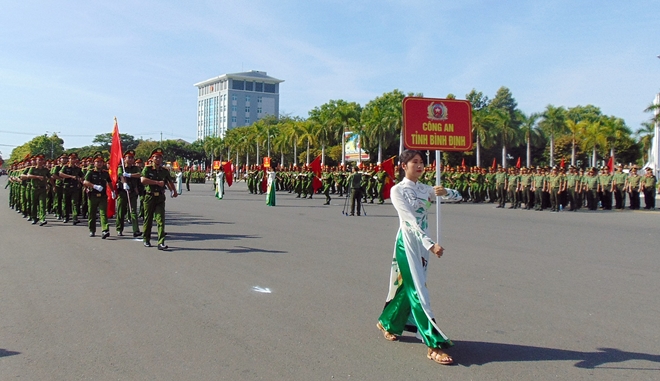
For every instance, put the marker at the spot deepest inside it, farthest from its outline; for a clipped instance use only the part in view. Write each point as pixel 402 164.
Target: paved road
pixel 523 294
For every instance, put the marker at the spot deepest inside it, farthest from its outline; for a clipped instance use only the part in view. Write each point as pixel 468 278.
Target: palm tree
pixel 655 109
pixel 593 138
pixel 553 123
pixel 528 127
pixel 324 129
pixel 614 130
pixel 483 121
pixel 504 129
pixel 292 131
pixel 645 138
pixel 308 133
pixel 577 130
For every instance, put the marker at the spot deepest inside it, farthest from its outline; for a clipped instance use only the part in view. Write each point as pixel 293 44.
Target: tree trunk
pixel 258 153
pixel 400 144
pixel 573 153
pixel 504 156
pixel 529 150
pixel 593 157
pixel 552 150
pixel 478 151
pixel 323 155
pixel 295 153
pixel 281 158
pixel 343 147
pixel 380 152
pixel 307 152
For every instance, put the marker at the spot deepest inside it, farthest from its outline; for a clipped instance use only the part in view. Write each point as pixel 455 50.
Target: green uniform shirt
pixel 634 181
pixel 39 184
pixel 156 174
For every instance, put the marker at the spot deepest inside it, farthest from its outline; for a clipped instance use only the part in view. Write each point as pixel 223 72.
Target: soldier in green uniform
pixel 513 180
pixel 605 187
pixel 382 177
pixel 555 183
pixel 26 189
pixel 38 176
pixel 155 178
pixel 525 188
pixel 590 187
pixel 328 180
pixel 501 182
pixel 59 186
pixel 97 180
pixel 72 176
pixel 633 184
pixel 188 176
pixel 649 183
pixel 618 186
pixel 127 194
pixel 538 186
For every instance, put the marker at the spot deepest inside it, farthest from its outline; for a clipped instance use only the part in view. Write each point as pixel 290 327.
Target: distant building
pixel 234 100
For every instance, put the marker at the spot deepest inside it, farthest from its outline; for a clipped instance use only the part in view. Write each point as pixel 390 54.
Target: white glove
pixel 172 193
pixel 126 174
pixel 126 187
pixel 98 188
pixel 114 195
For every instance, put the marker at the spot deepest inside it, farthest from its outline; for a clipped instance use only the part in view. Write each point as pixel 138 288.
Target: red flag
pixel 315 167
pixel 610 164
pixel 463 163
pixel 115 161
pixel 388 167
pixel 229 174
pixel 518 163
pixel 562 163
pixel 494 163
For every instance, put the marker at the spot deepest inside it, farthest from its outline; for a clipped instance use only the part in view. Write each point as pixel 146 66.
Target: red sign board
pixel 437 124
pixel 266 162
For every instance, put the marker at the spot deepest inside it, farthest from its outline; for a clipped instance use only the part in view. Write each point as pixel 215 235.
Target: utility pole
pixel 161 138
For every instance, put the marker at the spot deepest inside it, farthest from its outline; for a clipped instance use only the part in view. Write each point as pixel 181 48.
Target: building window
pixel 259 87
pixel 269 87
pixel 247 98
pixel 247 108
pixel 249 86
pixel 237 85
pixel 259 99
pixel 233 119
pixel 258 110
pixel 247 120
pixel 233 108
pixel 234 97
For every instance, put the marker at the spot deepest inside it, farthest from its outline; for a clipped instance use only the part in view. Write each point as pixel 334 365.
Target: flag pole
pixel 438 173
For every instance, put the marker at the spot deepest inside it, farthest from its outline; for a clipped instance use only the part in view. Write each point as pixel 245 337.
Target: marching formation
pixel 71 189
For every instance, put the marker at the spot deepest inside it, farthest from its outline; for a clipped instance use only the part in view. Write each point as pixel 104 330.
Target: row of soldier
pixel 537 188
pixel 72 188
pixel 332 180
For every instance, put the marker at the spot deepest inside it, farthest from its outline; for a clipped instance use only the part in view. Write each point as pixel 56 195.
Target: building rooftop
pixel 247 75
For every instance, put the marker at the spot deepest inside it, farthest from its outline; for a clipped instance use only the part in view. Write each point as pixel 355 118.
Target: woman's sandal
pixel 439 356
pixel 387 335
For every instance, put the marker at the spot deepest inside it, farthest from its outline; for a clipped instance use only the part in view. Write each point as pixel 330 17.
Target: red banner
pixel 437 124
pixel 115 161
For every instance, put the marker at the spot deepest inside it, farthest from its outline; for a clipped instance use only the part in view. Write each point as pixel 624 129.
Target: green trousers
pixel 154 208
pixel 123 209
pixel 97 201
pixel 38 205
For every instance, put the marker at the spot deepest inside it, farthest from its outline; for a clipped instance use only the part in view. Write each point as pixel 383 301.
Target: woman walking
pixel 408 299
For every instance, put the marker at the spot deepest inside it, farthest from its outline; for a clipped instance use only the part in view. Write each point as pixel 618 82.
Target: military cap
pixel 98 156
pixel 157 152
pixel 39 156
pixel 635 167
pixel 130 152
pixel 73 155
pixel 138 161
pixel 649 169
pixel 64 155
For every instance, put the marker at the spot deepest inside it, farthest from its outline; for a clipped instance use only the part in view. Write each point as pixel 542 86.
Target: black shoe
pixel 138 234
pixel 120 234
pixel 76 222
pixel 326 203
pixel 92 234
pixel 358 214
pixel 162 246
pixel 371 202
pixel 30 219
pixel 34 222
pixel 147 244
pixel 352 214
pixel 59 218
pixel 105 234
pixel 43 223
pixel 298 196
pixel 66 221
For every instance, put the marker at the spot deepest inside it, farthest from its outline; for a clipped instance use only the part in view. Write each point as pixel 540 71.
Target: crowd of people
pixel 73 188
pixel 539 188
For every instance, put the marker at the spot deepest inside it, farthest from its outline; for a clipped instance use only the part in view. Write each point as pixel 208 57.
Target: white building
pixel 234 100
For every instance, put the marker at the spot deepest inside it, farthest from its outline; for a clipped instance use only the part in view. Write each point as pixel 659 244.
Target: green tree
pixel 645 138
pixel 576 130
pixel 528 124
pixel 553 122
pixel 104 141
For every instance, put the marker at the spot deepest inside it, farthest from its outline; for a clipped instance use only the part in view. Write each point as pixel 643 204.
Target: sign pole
pixel 438 173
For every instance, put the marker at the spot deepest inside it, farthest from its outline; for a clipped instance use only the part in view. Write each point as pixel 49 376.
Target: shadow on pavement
pixel 479 353
pixel 179 236
pixel 6 353
pixel 233 250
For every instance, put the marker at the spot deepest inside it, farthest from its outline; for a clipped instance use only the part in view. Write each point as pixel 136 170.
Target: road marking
pixel 263 290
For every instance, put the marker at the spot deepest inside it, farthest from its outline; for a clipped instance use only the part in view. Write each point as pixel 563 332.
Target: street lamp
pixel 52 147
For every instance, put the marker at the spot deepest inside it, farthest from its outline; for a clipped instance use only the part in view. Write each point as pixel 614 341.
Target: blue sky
pixel 71 66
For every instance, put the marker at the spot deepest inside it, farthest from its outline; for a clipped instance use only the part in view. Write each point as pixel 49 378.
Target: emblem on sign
pixel 437 111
